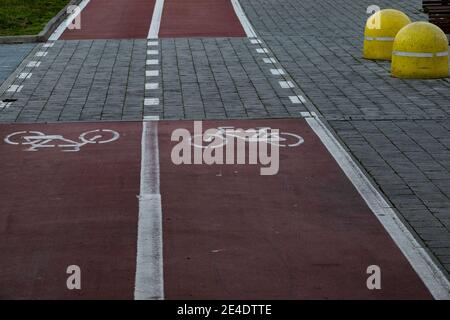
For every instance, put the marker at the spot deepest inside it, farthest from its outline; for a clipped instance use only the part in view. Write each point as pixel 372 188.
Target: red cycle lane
pixel 117 19
pixel 199 18
pixel 228 232
pixel 305 233
pixel 69 208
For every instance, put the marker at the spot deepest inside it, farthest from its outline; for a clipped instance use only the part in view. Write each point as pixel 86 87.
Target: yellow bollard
pixel 420 52
pixel 381 29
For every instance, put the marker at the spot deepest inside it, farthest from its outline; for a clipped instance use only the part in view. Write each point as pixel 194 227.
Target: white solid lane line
pixel 149 283
pixel 153 32
pixel 63 26
pixel 249 31
pixel 417 256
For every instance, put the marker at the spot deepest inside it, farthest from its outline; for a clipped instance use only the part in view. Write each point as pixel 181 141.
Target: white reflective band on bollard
pixel 420 54
pixel 379 38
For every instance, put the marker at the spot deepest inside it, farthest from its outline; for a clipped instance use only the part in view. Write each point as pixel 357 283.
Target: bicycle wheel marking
pixel 37 140
pixel 228 229
pixel 76 208
pixel 251 135
pixel 10 138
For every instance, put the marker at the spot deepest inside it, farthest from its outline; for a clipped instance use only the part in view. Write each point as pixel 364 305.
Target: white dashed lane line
pixel 4 105
pixel 151 86
pixel 41 53
pixel 15 88
pixel 277 72
pixel 151 101
pixel 24 75
pixel 269 60
pixel 152 73
pixel 33 64
pixel 286 84
pixel 297 99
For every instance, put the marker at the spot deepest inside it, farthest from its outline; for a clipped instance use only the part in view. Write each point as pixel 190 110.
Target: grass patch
pixel 27 17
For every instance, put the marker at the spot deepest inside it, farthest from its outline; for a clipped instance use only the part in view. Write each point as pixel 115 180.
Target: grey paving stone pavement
pixel 11 55
pixel 211 78
pixel 221 78
pixel 334 18
pixel 398 130
pixel 80 80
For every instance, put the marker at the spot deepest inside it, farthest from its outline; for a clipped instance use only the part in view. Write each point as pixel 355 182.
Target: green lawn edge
pixel 27 17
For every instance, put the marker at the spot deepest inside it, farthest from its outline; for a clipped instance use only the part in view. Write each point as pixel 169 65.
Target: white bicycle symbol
pixel 36 139
pixel 264 134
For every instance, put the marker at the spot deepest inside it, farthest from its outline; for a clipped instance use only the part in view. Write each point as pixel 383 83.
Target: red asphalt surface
pixel 69 208
pixel 130 19
pixel 116 19
pixel 305 233
pixel 228 232
pixel 199 18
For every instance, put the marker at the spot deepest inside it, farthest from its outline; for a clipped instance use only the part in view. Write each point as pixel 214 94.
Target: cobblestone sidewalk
pixel 399 130
pixel 11 56
pixel 211 78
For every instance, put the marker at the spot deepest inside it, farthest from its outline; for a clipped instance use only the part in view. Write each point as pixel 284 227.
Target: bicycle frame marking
pixel 43 142
pixel 259 134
